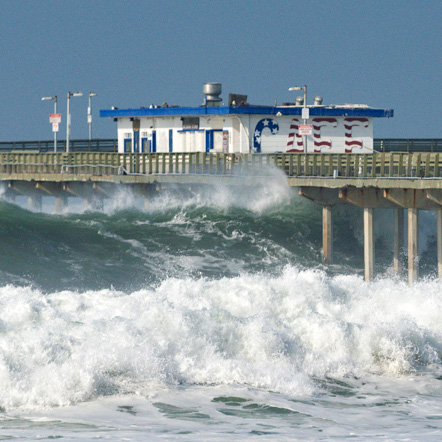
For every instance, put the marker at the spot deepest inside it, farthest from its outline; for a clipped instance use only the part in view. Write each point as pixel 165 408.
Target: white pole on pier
pixel 89 113
pixel 55 111
pixel 68 117
pixel 305 111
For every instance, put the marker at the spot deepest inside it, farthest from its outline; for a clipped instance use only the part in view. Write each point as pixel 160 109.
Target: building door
pixel 128 145
pixel 145 145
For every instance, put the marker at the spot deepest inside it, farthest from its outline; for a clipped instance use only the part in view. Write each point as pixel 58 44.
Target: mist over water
pixel 211 311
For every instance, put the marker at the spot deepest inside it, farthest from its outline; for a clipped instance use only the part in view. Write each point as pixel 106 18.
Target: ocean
pixel 208 315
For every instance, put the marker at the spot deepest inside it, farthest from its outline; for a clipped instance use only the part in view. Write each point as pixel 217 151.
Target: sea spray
pixel 281 333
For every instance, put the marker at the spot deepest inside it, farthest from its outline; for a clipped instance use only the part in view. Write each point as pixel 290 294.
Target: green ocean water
pixel 208 314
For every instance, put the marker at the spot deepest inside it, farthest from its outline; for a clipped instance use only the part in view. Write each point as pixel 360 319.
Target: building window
pixel 128 135
pixel 191 123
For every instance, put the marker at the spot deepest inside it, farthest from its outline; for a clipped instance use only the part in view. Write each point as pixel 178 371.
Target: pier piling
pixel 413 259
pixel 439 242
pixel 327 234
pixel 61 203
pixel 35 201
pixel 368 243
pixel 398 246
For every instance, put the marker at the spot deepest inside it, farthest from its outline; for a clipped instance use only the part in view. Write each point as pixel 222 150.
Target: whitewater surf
pixel 210 316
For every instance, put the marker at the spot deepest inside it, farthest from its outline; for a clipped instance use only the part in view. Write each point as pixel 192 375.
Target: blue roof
pixel 251 110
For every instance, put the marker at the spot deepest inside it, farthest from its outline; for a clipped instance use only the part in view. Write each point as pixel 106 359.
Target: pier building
pixel 240 127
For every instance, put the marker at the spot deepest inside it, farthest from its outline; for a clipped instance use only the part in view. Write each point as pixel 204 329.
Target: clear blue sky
pixel 387 54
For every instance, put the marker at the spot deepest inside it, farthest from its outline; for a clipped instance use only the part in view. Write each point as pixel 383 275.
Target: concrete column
pixel 398 239
pixel 60 203
pixel 11 197
pixel 368 243
pixel 413 259
pixel 85 204
pixel 327 235
pixel 35 201
pixel 439 242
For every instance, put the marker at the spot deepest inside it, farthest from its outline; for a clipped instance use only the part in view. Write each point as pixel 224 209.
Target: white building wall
pixel 253 133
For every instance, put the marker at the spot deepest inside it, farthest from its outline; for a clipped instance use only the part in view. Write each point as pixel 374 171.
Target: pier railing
pixel 377 165
pixel 47 146
pixel 383 145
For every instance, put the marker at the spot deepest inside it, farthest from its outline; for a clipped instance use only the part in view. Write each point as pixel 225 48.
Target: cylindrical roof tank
pixel 212 91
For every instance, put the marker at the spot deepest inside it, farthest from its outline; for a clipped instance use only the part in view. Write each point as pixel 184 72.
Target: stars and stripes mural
pixel 320 143
pixel 266 123
pixel 329 134
pixel 349 124
pixel 294 140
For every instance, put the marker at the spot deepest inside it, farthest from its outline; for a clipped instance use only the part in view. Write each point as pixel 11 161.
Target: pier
pixel 401 181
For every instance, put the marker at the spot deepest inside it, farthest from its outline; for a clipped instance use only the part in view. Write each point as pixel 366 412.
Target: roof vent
pixel 299 101
pixel 317 101
pixel 212 91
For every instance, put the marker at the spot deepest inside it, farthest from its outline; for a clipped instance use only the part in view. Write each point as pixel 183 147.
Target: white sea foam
pixel 276 333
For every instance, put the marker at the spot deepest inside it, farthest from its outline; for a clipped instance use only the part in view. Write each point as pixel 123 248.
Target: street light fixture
pixel 89 114
pixel 68 117
pixel 305 112
pixel 55 111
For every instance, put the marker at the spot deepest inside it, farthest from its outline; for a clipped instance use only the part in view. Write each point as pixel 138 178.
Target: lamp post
pixel 68 117
pixel 305 112
pixel 55 111
pixel 89 114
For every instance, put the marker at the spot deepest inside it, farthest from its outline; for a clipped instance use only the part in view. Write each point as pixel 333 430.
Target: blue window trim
pixel 144 142
pixel 125 142
pixel 170 140
pixel 136 145
pixel 210 138
pixel 154 141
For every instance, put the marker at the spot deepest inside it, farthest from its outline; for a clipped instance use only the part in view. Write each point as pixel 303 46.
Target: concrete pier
pixel 368 243
pixel 400 181
pixel 413 259
pixel 35 201
pixel 61 202
pixel 439 242
pixel 327 235
pixel 398 245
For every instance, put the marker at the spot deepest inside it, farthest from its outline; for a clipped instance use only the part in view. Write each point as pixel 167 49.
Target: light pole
pixel 305 111
pixel 68 117
pixel 55 111
pixel 89 114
